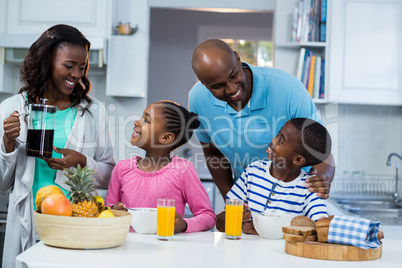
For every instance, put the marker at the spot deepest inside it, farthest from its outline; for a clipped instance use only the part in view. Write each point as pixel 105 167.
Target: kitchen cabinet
pixel 365 60
pixel 35 16
pixel 127 57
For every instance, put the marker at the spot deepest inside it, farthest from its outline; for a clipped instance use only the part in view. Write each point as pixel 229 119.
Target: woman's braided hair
pixel 179 121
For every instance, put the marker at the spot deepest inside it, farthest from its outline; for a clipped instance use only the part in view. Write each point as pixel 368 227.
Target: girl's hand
pixel 71 159
pixel 12 127
pixel 119 206
pixel 180 225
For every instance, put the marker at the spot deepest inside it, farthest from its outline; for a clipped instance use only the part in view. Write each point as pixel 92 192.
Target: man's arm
pixel 219 167
pixel 321 183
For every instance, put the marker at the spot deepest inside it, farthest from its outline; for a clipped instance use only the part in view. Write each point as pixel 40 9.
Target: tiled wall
pixel 364 136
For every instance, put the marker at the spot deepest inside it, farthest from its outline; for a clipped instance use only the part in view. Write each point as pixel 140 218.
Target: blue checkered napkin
pixel 354 231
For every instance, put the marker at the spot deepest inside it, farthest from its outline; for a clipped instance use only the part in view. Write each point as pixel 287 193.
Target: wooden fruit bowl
pixel 83 233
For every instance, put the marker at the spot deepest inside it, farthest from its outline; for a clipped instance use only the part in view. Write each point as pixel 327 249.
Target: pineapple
pixel 81 184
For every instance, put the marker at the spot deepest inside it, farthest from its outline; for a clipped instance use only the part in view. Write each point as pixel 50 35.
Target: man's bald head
pixel 208 49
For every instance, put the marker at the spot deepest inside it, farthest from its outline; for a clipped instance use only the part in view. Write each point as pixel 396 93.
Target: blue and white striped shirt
pixel 264 193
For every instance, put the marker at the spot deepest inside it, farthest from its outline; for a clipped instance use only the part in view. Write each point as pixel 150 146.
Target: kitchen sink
pixel 375 212
pixel 383 210
pixel 370 204
pixel 372 208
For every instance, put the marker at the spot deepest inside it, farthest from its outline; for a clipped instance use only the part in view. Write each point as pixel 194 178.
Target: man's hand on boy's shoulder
pixel 319 184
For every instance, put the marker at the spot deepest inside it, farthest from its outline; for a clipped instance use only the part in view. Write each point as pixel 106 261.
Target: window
pixel 254 44
pixel 255 52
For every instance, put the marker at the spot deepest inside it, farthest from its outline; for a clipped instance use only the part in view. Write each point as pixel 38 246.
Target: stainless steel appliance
pixel 3 219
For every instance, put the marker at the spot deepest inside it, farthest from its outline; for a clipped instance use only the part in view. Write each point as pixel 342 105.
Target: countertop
pixel 202 249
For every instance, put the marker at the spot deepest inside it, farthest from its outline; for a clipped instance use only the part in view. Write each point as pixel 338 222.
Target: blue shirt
pixel 244 136
pixel 264 193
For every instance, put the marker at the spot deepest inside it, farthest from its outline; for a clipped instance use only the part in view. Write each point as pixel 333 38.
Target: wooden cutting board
pixel 335 252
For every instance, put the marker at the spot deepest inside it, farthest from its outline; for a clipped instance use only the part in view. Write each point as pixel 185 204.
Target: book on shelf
pixel 322 79
pixel 310 83
pixel 306 20
pixel 299 21
pixel 310 71
pixel 293 38
pixel 309 21
pixel 323 20
pixel 302 57
pixel 306 68
pixel 317 77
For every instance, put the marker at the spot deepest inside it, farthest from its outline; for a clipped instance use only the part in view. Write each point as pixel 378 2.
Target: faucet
pixel 395 195
pixel 391 155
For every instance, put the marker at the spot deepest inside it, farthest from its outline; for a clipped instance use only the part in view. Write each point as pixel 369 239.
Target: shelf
pixel 322 101
pixel 301 44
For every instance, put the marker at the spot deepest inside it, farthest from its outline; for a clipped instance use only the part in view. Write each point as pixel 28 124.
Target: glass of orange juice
pixel 166 209
pixel 233 218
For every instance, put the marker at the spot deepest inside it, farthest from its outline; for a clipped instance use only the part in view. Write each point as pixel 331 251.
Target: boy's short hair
pixel 315 141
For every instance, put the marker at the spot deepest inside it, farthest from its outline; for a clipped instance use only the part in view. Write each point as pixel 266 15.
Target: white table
pixel 203 249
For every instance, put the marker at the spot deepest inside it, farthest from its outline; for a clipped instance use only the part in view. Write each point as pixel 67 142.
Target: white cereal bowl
pixel 270 226
pixel 143 220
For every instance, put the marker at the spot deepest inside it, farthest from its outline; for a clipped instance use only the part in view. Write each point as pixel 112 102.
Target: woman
pixel 55 69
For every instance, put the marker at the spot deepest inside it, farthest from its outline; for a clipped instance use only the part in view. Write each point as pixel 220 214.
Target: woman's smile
pixel 70 83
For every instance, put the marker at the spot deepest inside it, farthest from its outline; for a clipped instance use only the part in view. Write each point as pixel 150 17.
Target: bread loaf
pixel 322 228
pixel 302 229
pixel 302 221
pixel 299 238
pixel 311 238
pixel 299 230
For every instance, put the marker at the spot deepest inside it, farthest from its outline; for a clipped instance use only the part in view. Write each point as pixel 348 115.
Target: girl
pixel 139 182
pixel 55 69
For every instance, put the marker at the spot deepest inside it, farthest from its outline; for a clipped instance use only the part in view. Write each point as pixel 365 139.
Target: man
pixel 241 109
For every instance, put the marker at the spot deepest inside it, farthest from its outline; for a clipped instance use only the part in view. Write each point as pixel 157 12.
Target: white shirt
pixel 264 193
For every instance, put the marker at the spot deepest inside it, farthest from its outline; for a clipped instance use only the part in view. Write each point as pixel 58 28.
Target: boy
pixel 278 186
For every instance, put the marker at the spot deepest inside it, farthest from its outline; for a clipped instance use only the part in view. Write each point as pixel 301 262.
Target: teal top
pixel 45 176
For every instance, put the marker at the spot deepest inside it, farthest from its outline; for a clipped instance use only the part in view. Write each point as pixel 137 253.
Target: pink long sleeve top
pixel 178 180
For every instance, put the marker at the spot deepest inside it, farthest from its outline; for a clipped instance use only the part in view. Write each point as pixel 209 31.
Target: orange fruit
pixel 45 192
pixel 57 204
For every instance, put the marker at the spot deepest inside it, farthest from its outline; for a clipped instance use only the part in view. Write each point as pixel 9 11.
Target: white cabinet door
pixel 35 16
pixel 366 52
pixel 127 55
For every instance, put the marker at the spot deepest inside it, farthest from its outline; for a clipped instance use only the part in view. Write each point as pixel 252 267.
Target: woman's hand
pixel 71 159
pixel 180 225
pixel 319 184
pixel 12 129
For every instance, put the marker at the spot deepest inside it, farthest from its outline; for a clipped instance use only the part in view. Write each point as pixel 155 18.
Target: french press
pixel 41 123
